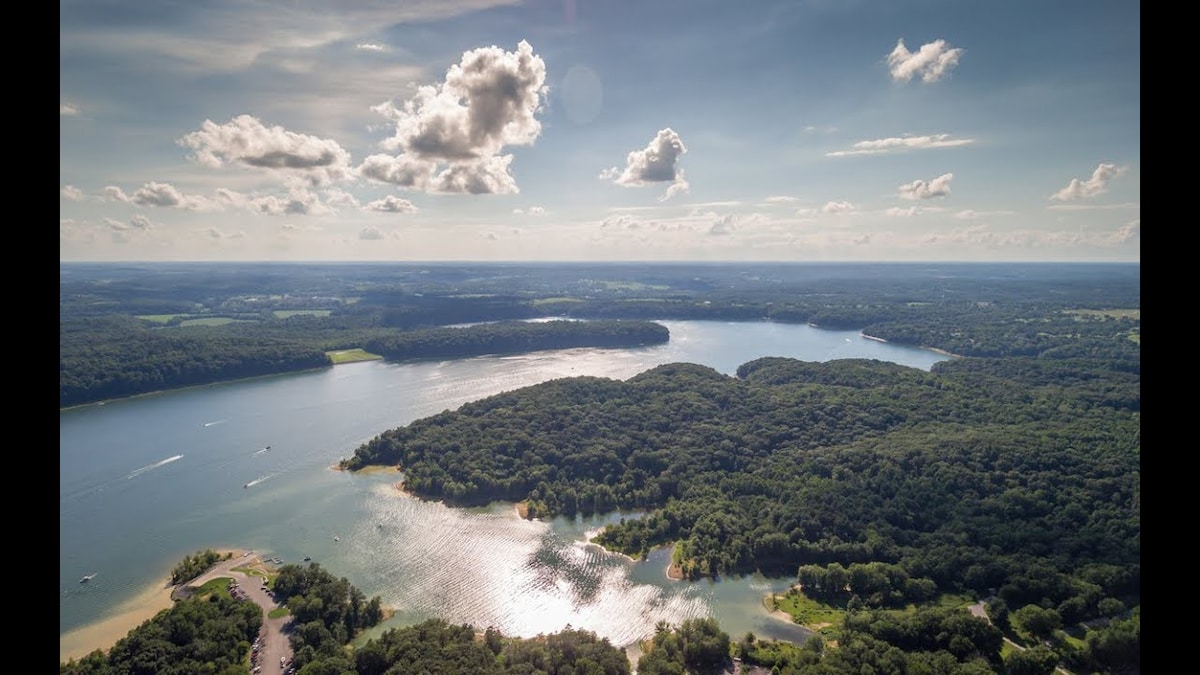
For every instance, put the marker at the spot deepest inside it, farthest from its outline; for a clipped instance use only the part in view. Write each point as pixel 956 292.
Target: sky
pixel 599 130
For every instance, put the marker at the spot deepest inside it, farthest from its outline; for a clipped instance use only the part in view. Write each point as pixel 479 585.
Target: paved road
pixel 274 643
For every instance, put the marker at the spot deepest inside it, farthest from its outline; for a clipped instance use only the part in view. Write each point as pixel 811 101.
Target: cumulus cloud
pixel 392 204
pixel 897 212
pixel 370 47
pixel 370 233
pixel 1096 185
pixel 899 144
pixel 486 102
pixel 67 110
pixel 657 163
pixel 836 207
pixel 930 189
pixel 247 142
pixel 782 199
pixel 70 192
pixel 161 195
pixel 931 62
pixel 532 211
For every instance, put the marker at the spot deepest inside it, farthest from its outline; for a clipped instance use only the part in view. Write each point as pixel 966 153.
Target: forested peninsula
pixel 1008 478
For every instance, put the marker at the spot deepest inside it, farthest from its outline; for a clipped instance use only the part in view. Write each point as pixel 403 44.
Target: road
pixel 274 643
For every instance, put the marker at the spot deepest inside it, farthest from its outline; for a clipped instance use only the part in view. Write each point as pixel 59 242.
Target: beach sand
pixel 104 634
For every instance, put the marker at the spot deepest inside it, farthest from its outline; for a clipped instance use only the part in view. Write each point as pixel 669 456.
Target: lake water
pixel 147 480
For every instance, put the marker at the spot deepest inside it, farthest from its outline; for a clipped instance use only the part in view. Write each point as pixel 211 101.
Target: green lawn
pixel 351 355
pixel 159 318
pixel 212 321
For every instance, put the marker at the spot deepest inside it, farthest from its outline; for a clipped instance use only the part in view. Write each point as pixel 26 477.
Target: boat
pixel 87 577
pixel 336 538
pixel 245 486
pixel 307 558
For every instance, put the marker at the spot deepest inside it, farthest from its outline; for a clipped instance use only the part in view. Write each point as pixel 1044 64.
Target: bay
pixel 145 481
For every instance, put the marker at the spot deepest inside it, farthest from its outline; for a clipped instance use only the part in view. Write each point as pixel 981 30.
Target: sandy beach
pixel 104 634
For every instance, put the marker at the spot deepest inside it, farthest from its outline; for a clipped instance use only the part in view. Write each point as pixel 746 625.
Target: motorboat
pixel 87 577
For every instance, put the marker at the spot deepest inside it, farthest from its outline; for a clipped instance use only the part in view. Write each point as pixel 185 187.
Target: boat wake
pixel 260 479
pixel 209 424
pixel 144 469
pixel 259 452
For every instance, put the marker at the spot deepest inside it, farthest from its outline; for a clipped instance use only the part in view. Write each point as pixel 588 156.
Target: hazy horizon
pixel 573 131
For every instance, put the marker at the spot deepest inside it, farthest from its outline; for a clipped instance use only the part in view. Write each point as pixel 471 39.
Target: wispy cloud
pixel 836 207
pixel 70 192
pixel 67 110
pixel 931 62
pixel 1096 185
pixel 901 144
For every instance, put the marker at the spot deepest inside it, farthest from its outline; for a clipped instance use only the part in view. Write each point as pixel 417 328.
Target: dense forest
pixel 1010 475
pixel 132 329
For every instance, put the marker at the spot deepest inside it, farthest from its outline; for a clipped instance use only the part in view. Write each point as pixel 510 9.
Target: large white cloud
pixel 657 163
pixel 931 62
pixel 927 189
pixel 899 144
pixel 1096 185
pixel 247 142
pixel 449 136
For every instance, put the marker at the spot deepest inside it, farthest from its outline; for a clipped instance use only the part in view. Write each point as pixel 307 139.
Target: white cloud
pixel 70 192
pixel 67 110
pixel 838 207
pixel 246 141
pixel 370 233
pixel 931 189
pixel 392 204
pixel 1129 231
pixel 782 199
pixel 486 102
pixel 900 144
pixel 1096 185
pixel 931 62
pixel 969 214
pixel 370 47
pixel 532 211
pixel 657 163
pixel 897 212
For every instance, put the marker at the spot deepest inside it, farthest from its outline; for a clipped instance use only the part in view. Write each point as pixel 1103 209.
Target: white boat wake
pixel 260 479
pixel 209 424
pixel 144 469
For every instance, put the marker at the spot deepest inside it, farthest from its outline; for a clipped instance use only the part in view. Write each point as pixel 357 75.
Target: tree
pixel 1037 621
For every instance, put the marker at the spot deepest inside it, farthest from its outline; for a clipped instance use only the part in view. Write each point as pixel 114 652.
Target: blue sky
pixel 807 130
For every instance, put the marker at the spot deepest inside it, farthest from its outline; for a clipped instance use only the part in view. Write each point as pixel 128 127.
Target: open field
pixel 351 356
pixel 285 313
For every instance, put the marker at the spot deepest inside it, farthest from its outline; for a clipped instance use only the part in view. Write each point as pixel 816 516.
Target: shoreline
pixel 104 633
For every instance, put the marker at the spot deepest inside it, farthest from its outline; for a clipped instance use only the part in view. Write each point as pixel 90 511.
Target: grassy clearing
pixel 351 355
pixel 554 301
pixel 277 613
pixel 806 611
pixel 212 321
pixel 285 313
pixel 159 318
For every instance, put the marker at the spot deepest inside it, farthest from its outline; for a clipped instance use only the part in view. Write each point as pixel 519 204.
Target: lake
pixel 145 481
